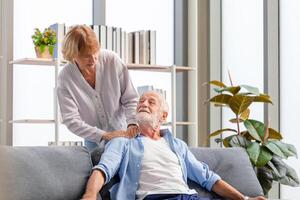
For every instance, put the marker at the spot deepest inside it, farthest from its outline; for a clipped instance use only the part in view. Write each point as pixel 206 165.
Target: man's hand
pixel 129 133
pixel 88 197
pixel 258 198
pixel 225 190
pixel 94 185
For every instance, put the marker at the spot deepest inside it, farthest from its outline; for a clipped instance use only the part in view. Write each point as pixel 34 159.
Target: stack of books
pixel 137 47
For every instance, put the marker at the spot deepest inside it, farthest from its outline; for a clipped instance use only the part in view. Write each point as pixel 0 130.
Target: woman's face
pixel 87 60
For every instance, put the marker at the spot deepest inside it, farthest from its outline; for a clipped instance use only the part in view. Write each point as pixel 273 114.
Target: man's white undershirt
pixel 160 170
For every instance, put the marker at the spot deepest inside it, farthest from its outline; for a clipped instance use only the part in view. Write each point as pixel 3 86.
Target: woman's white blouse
pixel 89 112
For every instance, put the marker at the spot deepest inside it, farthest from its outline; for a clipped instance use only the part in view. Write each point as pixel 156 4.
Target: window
pixel 242 48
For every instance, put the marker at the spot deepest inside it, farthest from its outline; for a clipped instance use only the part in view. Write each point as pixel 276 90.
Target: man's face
pixel 148 109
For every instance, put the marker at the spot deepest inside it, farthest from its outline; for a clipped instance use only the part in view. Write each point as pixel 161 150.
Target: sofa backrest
pixel 29 173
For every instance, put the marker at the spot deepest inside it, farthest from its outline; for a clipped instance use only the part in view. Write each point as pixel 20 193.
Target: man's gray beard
pixel 144 118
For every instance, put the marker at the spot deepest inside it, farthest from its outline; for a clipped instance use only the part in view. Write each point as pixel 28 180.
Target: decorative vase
pixel 43 52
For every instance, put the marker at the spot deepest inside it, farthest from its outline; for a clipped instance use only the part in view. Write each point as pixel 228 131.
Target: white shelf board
pixel 179 123
pixel 33 121
pixel 36 61
pixel 157 68
pixel 185 123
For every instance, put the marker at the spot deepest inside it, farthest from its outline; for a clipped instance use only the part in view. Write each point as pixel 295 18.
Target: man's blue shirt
pixel 124 156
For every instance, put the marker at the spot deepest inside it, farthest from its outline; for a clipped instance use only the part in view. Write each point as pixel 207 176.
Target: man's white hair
pixel 164 107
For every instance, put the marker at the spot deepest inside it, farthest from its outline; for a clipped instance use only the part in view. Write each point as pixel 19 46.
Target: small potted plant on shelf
pixel 44 42
pixel 263 144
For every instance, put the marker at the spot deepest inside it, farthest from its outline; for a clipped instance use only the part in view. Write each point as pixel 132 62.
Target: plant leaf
pixel 233 90
pixel 217 83
pixel 245 114
pixel 218 140
pixel 221 99
pixel 292 148
pixel 287 175
pixel 275 172
pixel 253 151
pixel 291 177
pixel 226 141
pixel 273 134
pixel 255 128
pixel 265 178
pixel 239 103
pixel 264 157
pixel 220 131
pixel 262 98
pixel 247 135
pixel 235 121
pixel 251 89
pixel 287 149
pixel 274 149
pixel 238 141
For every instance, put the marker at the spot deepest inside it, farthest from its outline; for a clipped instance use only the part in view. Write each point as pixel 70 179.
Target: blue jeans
pixel 90 145
pixel 175 197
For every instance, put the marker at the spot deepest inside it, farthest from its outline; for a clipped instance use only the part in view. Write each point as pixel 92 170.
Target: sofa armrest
pixel 233 165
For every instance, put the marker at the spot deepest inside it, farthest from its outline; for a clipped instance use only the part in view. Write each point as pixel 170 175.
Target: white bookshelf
pixel 140 67
pixel 32 121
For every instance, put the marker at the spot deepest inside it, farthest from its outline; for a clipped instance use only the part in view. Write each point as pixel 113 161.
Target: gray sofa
pixel 56 173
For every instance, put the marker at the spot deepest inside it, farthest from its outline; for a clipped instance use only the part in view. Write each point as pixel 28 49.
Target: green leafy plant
pixel 44 39
pixel 263 144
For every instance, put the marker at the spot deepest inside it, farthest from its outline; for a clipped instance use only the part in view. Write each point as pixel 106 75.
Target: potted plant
pixel 44 42
pixel 263 144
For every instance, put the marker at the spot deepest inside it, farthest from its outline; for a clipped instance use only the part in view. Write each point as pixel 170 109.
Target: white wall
pixel 290 83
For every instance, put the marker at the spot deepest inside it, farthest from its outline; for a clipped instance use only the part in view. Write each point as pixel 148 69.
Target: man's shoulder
pixel 179 142
pixel 118 141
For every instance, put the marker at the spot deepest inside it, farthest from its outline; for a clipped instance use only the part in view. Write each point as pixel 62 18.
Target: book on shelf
pixel 96 31
pixel 109 38
pixel 152 47
pixel 137 47
pixel 102 33
pixel 129 47
pixel 60 34
pixel 123 46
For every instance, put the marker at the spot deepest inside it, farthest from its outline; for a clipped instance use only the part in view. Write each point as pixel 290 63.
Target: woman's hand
pixel 132 130
pixel 129 133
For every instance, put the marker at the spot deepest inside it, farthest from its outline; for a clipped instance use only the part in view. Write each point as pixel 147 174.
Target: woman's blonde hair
pixel 79 40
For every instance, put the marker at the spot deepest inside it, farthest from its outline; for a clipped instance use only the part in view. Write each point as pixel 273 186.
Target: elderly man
pixel 154 165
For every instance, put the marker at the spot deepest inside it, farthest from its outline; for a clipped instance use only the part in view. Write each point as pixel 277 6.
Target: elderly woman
pixel 96 96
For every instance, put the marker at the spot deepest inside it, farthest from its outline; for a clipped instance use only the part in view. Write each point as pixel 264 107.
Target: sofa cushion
pixel 43 172
pixel 233 165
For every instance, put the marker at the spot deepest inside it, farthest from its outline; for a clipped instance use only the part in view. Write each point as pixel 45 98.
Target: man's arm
pixel 94 185
pixel 227 191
